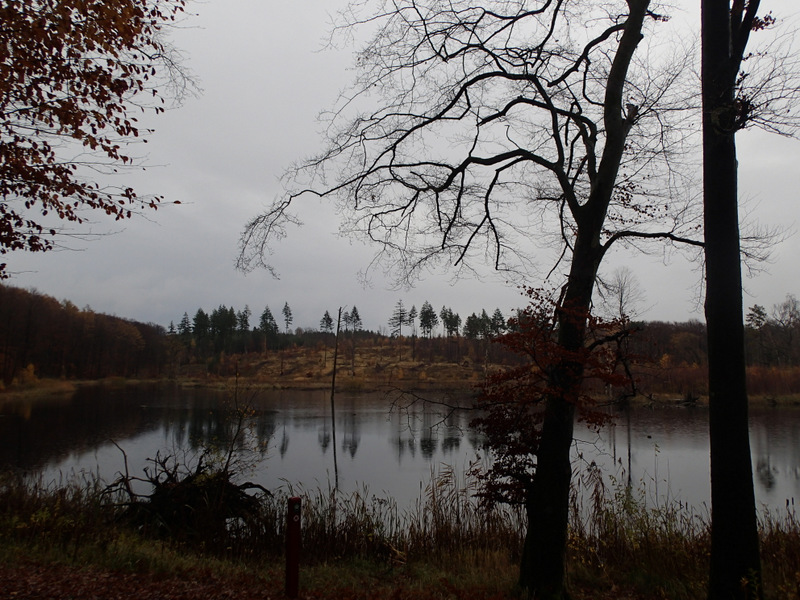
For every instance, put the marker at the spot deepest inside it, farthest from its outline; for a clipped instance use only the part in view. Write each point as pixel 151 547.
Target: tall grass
pixel 61 514
pixel 621 539
pixel 617 543
pixel 780 551
pixel 445 521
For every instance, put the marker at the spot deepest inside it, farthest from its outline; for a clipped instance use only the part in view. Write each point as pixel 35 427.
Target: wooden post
pixel 293 547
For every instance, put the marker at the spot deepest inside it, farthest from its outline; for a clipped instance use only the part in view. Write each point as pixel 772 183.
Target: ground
pixel 35 581
pixel 60 582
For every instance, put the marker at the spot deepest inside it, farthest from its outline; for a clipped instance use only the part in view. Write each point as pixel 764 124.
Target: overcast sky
pixel 221 154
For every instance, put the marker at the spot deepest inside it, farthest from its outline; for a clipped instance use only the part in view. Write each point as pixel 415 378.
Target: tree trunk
pixel 547 506
pixel 543 564
pixel 734 531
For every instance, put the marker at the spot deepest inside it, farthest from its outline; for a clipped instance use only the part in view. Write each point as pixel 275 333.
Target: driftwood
pixel 199 505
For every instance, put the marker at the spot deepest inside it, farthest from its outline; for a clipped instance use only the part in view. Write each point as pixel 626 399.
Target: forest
pixel 42 337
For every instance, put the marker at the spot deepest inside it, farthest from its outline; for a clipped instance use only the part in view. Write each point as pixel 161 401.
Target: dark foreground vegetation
pixel 191 535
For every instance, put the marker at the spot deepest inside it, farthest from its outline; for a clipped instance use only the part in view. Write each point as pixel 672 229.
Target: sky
pixel 265 76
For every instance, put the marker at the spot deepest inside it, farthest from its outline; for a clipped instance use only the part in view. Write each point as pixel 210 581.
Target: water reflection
pixel 287 436
pixel 324 437
pixel 351 435
pixel 668 450
pixel 428 436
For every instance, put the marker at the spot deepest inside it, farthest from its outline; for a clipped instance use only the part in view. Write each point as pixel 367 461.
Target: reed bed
pixel 446 521
pixel 621 538
pixel 64 514
pixel 617 540
pixel 780 551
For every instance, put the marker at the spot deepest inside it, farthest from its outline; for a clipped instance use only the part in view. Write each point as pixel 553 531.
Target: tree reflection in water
pixel 390 449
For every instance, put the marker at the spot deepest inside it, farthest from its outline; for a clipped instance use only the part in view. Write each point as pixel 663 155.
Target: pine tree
pixel 200 324
pixel 355 319
pixel 201 329
pixel 473 328
pixel 185 326
pixel 450 321
pixel 497 323
pixel 355 322
pixel 398 319
pixel 267 325
pixel 427 319
pixel 243 319
pixel 411 319
pixel 287 316
pixel 326 323
pixel 486 324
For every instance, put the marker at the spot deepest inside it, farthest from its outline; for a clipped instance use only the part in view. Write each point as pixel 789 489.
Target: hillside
pixel 407 364
pixel 42 338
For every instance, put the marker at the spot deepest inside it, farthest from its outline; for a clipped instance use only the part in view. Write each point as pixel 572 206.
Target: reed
pixel 621 539
pixel 445 521
pixel 780 552
pixel 65 513
pixel 619 543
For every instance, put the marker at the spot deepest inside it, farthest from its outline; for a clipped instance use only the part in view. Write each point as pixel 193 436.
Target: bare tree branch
pixel 485 113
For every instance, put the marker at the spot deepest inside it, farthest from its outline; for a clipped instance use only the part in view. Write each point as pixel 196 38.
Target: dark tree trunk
pixel 543 565
pixel 547 504
pixel 734 532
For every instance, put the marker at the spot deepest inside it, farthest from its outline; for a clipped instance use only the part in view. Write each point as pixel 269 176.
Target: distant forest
pixel 41 337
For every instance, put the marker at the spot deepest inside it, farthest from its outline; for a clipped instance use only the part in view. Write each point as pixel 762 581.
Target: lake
pixel 387 451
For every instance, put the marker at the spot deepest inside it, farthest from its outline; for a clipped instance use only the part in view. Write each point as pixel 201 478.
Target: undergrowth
pixel 619 546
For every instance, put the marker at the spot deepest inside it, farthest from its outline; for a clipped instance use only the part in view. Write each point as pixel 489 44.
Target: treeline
pixel 44 337
pixel 772 338
pixel 41 336
pixel 226 330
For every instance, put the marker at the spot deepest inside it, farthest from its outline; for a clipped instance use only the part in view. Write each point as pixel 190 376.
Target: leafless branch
pixel 462 116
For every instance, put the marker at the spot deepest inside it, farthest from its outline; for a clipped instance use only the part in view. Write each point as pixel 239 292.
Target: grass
pixel 445 546
pixel 620 541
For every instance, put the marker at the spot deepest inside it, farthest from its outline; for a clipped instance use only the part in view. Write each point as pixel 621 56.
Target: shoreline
pixel 54 388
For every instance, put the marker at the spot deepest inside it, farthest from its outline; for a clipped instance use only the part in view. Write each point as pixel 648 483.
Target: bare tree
pixel 478 132
pixel 622 293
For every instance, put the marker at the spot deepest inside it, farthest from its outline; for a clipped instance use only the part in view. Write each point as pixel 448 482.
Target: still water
pixel 387 451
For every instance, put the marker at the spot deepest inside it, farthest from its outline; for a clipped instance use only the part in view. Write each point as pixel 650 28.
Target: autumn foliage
pixel 42 337
pixel 512 399
pixel 73 73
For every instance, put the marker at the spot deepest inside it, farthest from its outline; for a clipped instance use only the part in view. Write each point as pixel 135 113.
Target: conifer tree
pixel 326 323
pixel 287 316
pixel 355 319
pixel 398 319
pixel 268 327
pixel 428 319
